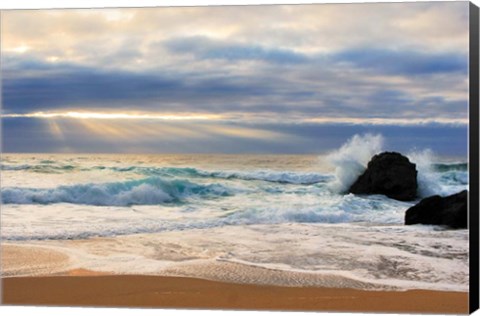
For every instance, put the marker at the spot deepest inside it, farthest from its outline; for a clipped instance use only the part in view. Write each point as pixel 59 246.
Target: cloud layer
pixel 338 64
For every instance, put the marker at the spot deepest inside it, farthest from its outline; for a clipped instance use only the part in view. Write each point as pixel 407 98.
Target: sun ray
pixel 172 117
pixel 55 129
pixel 117 116
pixel 115 130
pixel 242 132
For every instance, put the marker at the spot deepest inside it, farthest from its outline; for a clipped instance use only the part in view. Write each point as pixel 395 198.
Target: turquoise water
pixel 203 191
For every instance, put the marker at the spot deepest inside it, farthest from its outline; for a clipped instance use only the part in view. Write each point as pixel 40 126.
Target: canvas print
pixel 264 157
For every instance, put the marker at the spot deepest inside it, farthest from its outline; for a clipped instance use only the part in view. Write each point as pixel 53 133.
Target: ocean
pixel 266 219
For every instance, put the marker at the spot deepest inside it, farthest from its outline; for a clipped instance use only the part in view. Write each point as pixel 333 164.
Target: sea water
pixel 287 213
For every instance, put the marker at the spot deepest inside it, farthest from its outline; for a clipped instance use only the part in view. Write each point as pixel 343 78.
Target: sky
pixel 299 79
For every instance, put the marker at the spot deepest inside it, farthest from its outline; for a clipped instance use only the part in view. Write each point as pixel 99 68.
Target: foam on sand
pixel 342 255
pixel 32 260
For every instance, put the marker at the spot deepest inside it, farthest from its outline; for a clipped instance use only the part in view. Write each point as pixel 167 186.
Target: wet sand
pixel 49 279
pixel 83 288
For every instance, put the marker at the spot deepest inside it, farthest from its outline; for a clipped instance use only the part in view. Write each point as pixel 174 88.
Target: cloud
pixel 272 90
pixel 70 86
pixel 327 63
pixel 75 86
pixel 405 62
pixel 89 37
pixel 205 48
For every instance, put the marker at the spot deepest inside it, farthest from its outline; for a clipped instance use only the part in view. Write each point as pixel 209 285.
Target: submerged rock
pixel 449 211
pixel 390 174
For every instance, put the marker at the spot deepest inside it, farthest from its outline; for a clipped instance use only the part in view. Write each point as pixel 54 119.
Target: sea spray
pixel 352 158
pixel 432 179
pixel 426 178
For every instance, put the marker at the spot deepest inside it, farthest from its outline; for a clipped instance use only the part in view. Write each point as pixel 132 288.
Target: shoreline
pixel 88 288
pixel 73 273
pixel 69 259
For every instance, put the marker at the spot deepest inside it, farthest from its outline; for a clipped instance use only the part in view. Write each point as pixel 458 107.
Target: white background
pixel 40 4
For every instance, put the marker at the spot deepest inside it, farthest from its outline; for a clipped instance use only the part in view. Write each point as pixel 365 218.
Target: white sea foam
pixel 271 176
pixel 37 221
pixel 352 158
pixel 431 181
pixel 342 255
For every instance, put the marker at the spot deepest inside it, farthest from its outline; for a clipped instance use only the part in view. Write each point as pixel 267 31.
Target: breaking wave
pixel 351 160
pixel 41 168
pixel 438 178
pixel 150 191
pixel 444 167
pixel 260 175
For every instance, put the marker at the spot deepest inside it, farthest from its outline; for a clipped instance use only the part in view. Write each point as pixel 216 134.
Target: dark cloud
pixel 205 48
pixel 404 62
pixel 399 62
pixel 32 85
pixel 69 86
pixel 75 86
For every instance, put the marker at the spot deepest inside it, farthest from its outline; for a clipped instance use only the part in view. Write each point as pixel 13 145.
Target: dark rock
pixel 391 174
pixel 436 210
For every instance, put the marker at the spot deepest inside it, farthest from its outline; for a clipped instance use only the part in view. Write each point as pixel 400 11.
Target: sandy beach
pixel 81 287
pixel 85 289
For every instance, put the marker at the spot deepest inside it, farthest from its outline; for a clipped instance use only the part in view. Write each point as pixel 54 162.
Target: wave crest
pixel 150 191
pixel 42 168
pixel 351 160
pixel 288 177
pixel 259 175
pixel 445 167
